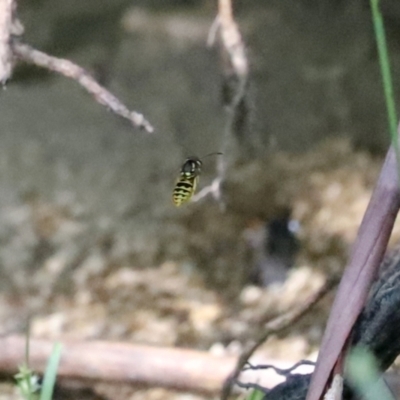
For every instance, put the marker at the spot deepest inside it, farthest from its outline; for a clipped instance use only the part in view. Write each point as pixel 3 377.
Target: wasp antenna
pixel 212 154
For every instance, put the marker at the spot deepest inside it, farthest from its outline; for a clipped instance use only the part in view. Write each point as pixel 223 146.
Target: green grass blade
pixel 51 373
pixel 363 373
pixel 386 74
pixel 28 334
pixel 256 395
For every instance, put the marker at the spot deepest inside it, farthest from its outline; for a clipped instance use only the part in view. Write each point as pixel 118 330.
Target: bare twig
pixel 213 189
pixel 6 18
pixel 233 44
pixel 235 71
pixel 116 362
pixel 276 325
pixel 181 369
pixel 67 68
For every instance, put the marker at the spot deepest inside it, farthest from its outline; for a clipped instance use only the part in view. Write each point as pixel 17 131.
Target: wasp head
pixel 192 166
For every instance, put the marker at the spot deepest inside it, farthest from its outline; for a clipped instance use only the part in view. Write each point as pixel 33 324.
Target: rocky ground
pixel 91 246
pixel 91 294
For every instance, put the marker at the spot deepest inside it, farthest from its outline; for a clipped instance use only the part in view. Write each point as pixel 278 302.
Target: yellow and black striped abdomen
pixel 184 190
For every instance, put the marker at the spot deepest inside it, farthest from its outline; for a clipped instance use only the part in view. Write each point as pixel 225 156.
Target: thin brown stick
pixel 235 70
pixel 67 68
pixel 6 12
pixel 88 362
pixel 276 325
pixel 233 44
pixel 128 363
pixel 366 257
pixel 179 369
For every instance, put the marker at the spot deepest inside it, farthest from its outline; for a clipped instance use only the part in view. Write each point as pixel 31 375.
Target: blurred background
pixel 92 246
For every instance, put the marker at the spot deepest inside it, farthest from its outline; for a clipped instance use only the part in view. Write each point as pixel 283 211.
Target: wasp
pixel 188 179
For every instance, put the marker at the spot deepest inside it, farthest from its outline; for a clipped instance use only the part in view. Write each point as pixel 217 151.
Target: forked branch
pixel 67 68
pixel 235 70
pixel 12 49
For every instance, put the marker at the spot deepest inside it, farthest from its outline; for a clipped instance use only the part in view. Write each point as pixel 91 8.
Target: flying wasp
pixel 188 178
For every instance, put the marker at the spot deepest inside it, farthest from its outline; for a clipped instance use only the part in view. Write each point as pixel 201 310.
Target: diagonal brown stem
pixel 70 70
pixel 367 254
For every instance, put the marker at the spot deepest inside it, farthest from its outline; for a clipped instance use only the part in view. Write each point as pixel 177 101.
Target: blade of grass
pixel 365 376
pixel 384 62
pixel 256 395
pixel 51 373
pixel 28 332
